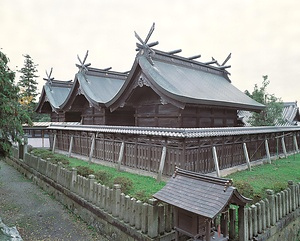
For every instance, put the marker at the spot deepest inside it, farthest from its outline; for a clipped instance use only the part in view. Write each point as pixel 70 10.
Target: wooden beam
pixel 247 156
pixel 92 148
pixel 121 154
pixel 54 143
pixel 71 146
pixel 215 156
pixel 267 151
pixel 162 163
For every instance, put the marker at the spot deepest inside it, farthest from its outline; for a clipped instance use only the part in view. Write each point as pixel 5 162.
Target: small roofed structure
pixel 198 199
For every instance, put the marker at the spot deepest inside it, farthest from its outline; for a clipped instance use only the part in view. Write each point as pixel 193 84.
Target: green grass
pixel 143 187
pixel 273 176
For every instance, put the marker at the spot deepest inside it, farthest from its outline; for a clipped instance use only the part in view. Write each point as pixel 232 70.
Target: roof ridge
pixel 203 177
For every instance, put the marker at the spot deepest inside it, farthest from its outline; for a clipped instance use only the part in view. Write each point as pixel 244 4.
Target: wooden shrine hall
pixel 162 89
pixel 197 200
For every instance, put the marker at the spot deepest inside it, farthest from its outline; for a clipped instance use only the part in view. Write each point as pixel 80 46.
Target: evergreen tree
pixel 12 115
pixel 28 85
pixel 272 114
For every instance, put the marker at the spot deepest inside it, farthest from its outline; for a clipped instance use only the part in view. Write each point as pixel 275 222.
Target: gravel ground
pixel 37 215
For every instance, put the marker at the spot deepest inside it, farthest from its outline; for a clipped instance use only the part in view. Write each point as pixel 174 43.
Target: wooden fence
pixel 151 218
pixel 145 152
pixel 154 219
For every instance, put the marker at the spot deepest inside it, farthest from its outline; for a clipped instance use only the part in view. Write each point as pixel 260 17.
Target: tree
pixel 28 85
pixel 12 115
pixel 272 114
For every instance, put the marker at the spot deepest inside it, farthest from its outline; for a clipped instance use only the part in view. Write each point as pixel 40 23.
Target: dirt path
pixel 36 214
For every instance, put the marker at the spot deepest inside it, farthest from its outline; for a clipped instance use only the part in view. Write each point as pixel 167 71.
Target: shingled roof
pixel 182 81
pixel 290 115
pixel 54 93
pixel 98 86
pixel 201 194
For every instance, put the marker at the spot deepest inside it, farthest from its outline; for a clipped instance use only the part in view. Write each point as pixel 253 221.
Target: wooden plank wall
pixel 194 154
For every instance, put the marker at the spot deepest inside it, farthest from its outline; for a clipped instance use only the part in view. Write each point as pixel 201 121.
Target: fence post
pixel 250 223
pixel 54 143
pixel 73 179
pixel 153 218
pixel 71 146
pixel 293 196
pixel 162 163
pixel 91 187
pixel 215 156
pixel 117 200
pixel 295 143
pixel 268 151
pixel 271 198
pixel 92 148
pixel 263 214
pixel 246 156
pixel 138 214
pixel 59 166
pixel 283 147
pixel 121 154
pixel 254 220
pixel 132 211
pixel 243 223
pixel 144 222
pixel 259 217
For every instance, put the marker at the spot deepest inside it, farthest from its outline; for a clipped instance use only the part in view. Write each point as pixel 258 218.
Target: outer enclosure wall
pixel 194 154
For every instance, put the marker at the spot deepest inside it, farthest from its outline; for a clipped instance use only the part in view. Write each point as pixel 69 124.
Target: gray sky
pixel 263 36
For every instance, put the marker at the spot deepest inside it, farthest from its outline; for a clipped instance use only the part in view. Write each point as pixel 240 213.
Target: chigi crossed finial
pixel 143 45
pixel 49 79
pixel 83 66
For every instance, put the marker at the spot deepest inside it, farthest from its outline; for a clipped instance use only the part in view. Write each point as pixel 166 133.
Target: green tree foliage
pixel 12 115
pixel 28 86
pixel 272 114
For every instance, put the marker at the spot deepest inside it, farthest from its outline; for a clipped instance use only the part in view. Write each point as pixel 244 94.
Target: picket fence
pixel 274 210
pixel 154 219
pixel 151 218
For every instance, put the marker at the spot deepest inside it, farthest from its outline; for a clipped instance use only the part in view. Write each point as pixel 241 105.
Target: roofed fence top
pixel 175 132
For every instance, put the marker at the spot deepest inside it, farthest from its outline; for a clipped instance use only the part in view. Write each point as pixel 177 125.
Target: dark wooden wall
pixel 195 154
pixel 151 112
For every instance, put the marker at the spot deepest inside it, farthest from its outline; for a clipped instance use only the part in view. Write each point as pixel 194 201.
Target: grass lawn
pixel 251 184
pixel 141 187
pixel 269 176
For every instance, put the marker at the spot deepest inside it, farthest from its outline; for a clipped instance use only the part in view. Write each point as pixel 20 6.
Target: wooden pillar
pixel 232 222
pixel 207 230
pixel 295 143
pixel 71 145
pixel 92 148
pixel 121 154
pixel 54 143
pixel 162 163
pixel 283 147
pixel 246 156
pixel 268 151
pixel 215 156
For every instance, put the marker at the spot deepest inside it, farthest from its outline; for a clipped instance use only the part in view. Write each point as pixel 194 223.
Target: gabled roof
pixel 201 194
pixel 183 81
pixel 55 93
pixel 290 115
pixel 98 86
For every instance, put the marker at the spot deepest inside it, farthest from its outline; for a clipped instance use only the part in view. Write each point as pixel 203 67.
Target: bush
pixel 142 196
pixel 244 188
pixel 279 186
pixel 84 171
pixel 125 182
pixel 59 158
pixel 103 177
